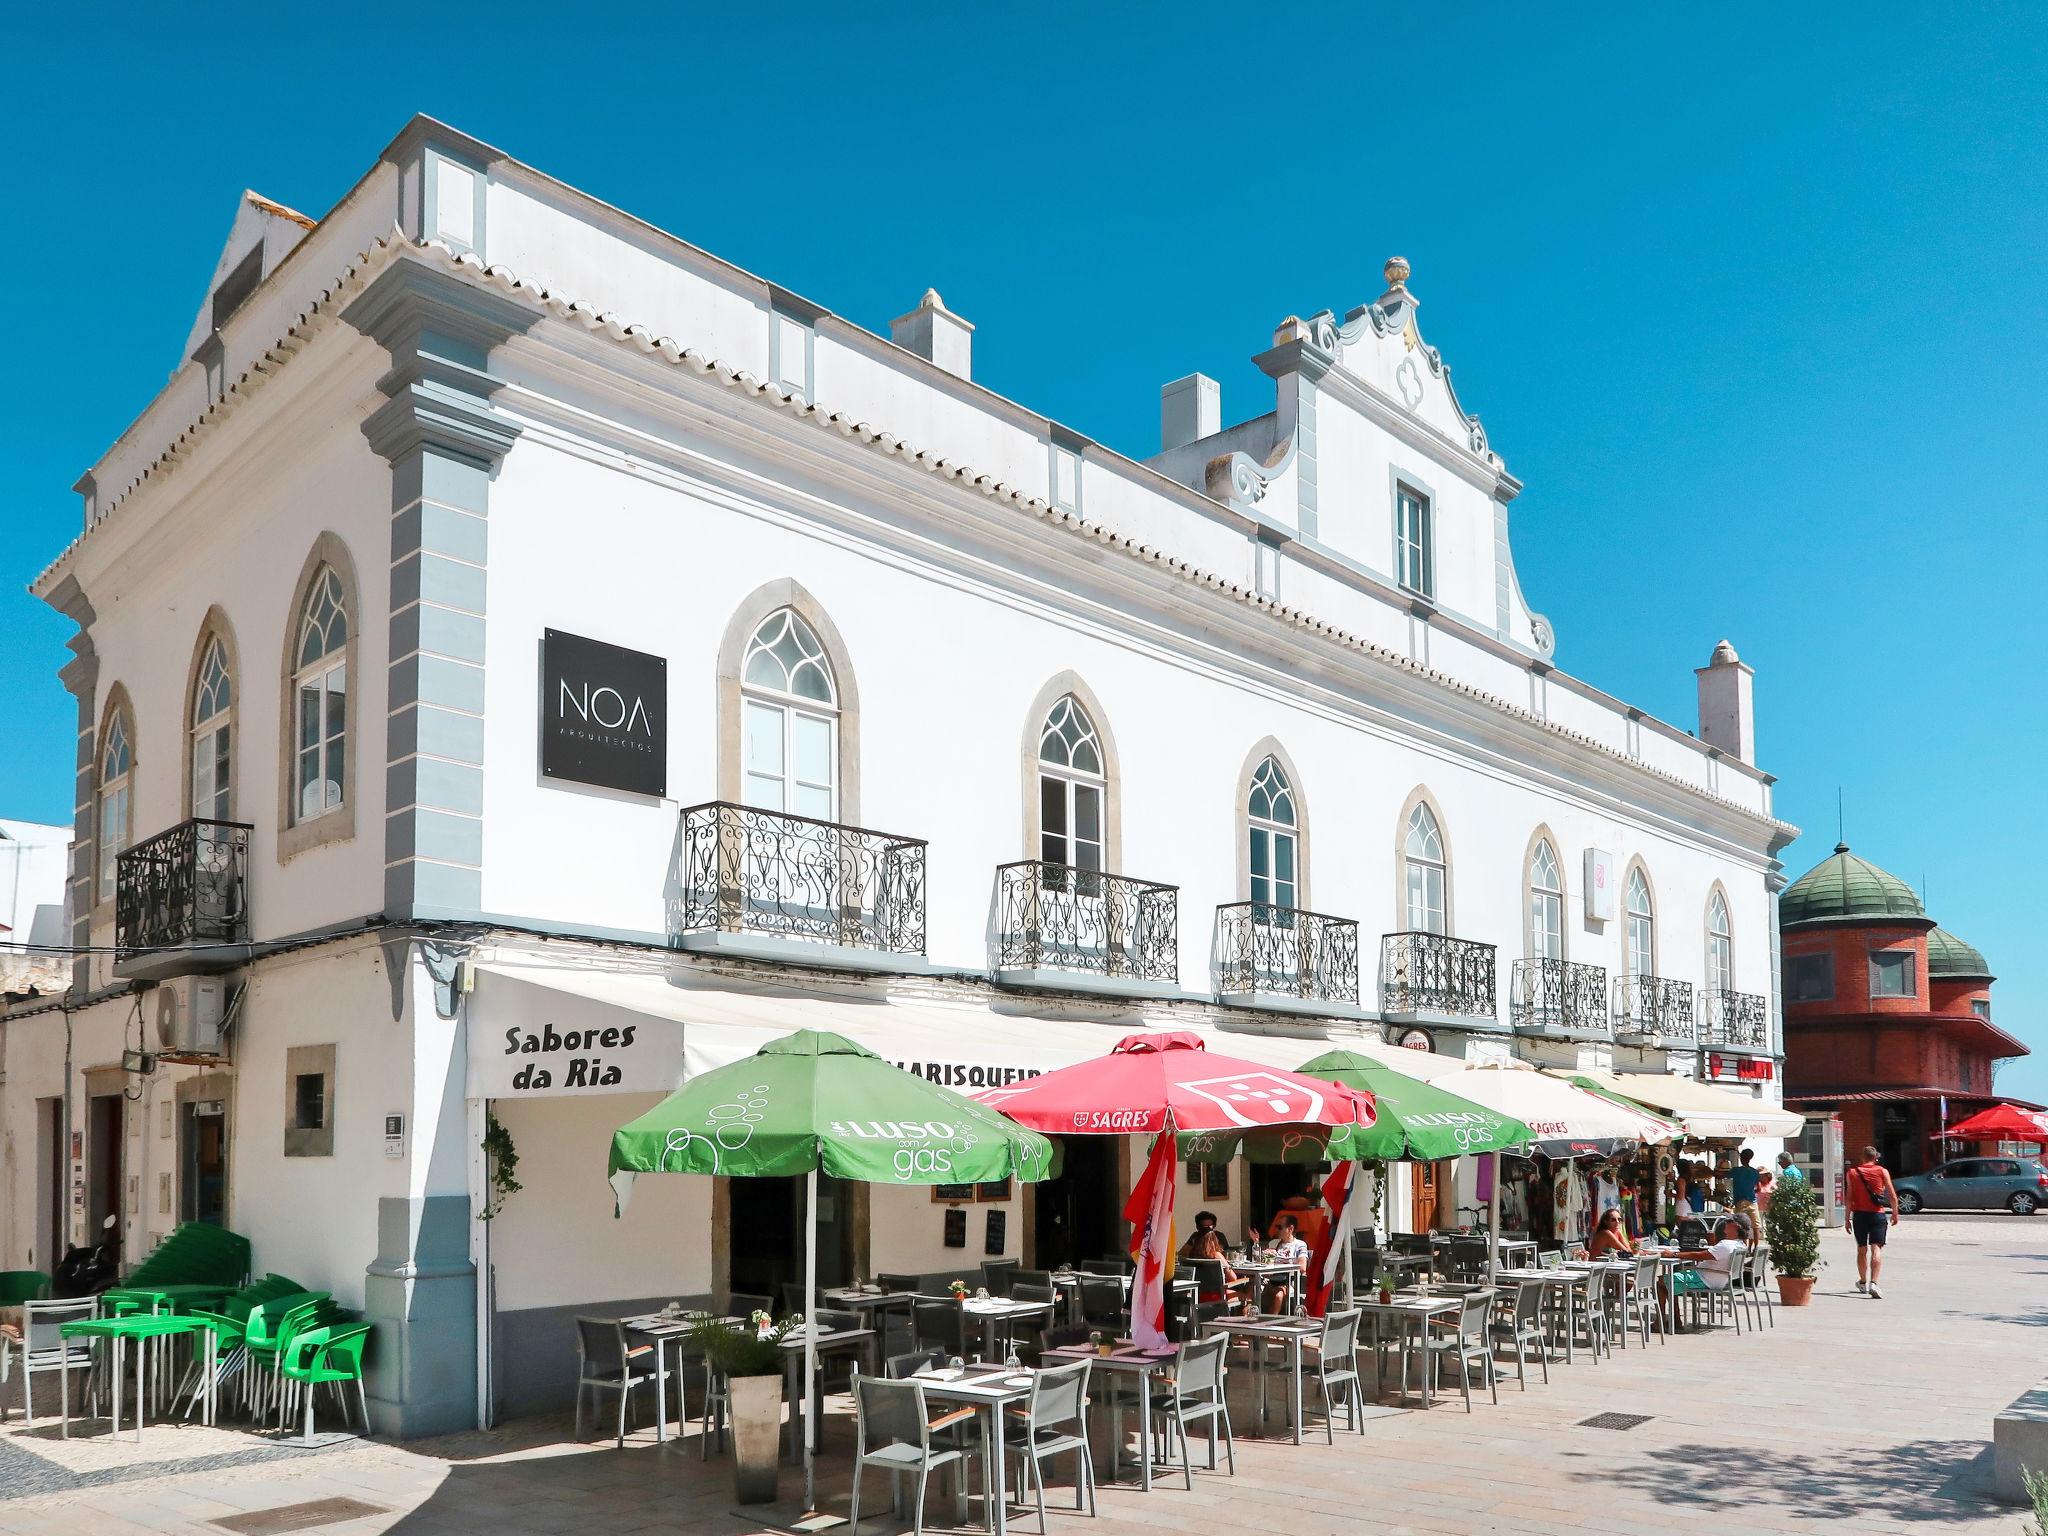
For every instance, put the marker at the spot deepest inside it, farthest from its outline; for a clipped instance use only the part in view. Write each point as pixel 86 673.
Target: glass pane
pixel 814 800
pixel 765 671
pixel 1262 888
pixel 809 681
pixel 814 751
pixel 309 714
pixel 1087 855
pixel 1283 858
pixel 1261 851
pixel 764 791
pixel 337 703
pixel 762 748
pixel 1052 807
pixel 202 776
pixel 1088 813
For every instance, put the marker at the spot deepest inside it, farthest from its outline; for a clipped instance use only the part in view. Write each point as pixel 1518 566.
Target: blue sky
pixel 1753 307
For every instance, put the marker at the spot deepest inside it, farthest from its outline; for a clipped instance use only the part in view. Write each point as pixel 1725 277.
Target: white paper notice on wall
pixel 394 1136
pixel 1599 884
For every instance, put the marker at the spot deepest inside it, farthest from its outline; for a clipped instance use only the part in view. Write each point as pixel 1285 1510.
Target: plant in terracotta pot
pixel 750 1357
pixel 959 1290
pixel 1792 1228
pixel 1103 1343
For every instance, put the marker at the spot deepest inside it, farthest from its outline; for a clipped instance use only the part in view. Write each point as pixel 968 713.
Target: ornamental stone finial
pixel 1396 271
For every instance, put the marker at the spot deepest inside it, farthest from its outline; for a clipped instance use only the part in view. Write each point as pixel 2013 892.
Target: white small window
pixel 117 761
pixel 1414 554
pixel 320 700
pixel 1427 875
pixel 1720 946
pixel 1642 927
pixel 1066 478
pixel 1275 845
pixel 213 704
pixel 1071 787
pixel 1892 973
pixel 1546 905
pixel 792 345
pixel 790 729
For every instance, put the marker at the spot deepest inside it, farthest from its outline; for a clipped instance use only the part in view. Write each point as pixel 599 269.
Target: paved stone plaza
pixel 1871 1416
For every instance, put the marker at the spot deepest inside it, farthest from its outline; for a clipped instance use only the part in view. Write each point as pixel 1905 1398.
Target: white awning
pixel 1703 1109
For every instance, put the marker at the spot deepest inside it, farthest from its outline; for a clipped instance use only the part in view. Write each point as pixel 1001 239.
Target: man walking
pixel 1873 1206
pixel 1743 1184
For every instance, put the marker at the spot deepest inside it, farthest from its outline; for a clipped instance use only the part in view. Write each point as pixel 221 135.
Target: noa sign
pixel 603 714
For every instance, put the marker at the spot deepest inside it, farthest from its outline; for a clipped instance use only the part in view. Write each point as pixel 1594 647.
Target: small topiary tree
pixel 1792 1228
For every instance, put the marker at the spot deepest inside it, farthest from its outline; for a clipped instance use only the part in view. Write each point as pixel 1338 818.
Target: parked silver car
pixel 2018 1184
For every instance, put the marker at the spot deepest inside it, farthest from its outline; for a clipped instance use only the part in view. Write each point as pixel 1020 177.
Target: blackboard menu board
pixel 997 1235
pixel 956 1228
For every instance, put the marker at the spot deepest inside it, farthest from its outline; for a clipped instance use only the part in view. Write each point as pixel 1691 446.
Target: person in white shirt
pixel 1288 1248
pixel 1716 1264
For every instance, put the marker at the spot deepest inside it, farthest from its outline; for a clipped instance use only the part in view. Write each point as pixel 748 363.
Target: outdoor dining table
pixel 1264 1272
pixel 1125 1359
pixel 665 1330
pixel 1414 1311
pixel 1068 1283
pixel 830 1341
pixel 997 1311
pixel 989 1390
pixel 141 1328
pixel 1569 1282
pixel 869 1299
pixel 1290 1332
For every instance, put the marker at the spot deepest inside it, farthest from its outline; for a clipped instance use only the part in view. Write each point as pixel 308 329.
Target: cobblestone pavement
pixel 1872 1416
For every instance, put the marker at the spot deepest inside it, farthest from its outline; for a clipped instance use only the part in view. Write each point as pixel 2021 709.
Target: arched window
pixel 1274 845
pixel 789 729
pixel 213 702
pixel 1070 787
pixel 320 700
pixel 1546 905
pixel 1423 850
pixel 1720 946
pixel 1642 927
pixel 117 763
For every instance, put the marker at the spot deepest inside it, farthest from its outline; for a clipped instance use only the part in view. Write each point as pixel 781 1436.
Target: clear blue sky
pixel 1752 301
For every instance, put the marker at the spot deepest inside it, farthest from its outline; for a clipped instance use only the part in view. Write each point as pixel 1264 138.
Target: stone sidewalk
pixel 1874 1416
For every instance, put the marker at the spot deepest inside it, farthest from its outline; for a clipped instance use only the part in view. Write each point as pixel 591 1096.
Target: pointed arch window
pixel 1427 874
pixel 212 728
pixel 789 705
pixel 1642 927
pixel 115 820
pixel 1546 904
pixel 1275 837
pixel 1071 786
pixel 1720 946
pixel 320 713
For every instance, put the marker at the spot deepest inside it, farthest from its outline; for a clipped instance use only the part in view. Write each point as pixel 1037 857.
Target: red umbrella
pixel 1149 1081
pixel 2001 1122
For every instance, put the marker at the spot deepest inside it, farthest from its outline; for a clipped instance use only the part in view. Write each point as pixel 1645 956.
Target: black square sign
pixel 603 714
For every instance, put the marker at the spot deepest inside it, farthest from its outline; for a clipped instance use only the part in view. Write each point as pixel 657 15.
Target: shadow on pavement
pixel 1926 1481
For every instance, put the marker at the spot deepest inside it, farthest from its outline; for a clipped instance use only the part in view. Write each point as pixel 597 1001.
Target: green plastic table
pixel 173 1298
pixel 141 1328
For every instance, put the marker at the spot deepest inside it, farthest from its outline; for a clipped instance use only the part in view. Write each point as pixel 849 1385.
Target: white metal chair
pixel 44 1348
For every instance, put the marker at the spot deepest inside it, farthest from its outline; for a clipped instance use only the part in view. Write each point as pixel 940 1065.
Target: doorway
pixel 767 1230
pixel 1425 1196
pixel 203 1162
pixel 104 1171
pixel 50 1242
pixel 1896 1143
pixel 1079 1215
pixel 1268 1186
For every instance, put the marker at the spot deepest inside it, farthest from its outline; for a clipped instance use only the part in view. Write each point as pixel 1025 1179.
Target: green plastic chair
pixel 269 1327
pixel 20 1285
pixel 329 1357
pixel 230 1327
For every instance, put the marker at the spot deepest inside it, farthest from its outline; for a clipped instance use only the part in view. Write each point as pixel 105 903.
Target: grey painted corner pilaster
pixel 444 441
pixel 80 676
pixel 421 1295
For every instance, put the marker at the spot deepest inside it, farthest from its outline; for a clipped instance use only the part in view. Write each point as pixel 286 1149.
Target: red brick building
pixel 1886 1013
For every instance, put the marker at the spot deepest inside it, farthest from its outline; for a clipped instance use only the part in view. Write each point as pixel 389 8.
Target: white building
pixel 485 529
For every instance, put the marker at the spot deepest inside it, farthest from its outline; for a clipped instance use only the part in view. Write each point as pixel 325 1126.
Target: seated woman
pixel 1609 1238
pixel 1206 1243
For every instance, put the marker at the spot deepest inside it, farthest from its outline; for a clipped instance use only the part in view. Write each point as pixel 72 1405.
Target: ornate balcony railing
pixel 1286 952
pixel 1655 1008
pixel 1059 917
pixel 747 870
pixel 1560 996
pixel 1737 1020
pixel 1435 973
pixel 189 885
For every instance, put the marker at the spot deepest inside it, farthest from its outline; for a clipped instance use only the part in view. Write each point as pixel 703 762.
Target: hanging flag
pixel 1150 1213
pixel 1326 1259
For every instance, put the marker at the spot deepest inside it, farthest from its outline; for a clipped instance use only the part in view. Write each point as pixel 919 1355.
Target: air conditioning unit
pixel 192 1018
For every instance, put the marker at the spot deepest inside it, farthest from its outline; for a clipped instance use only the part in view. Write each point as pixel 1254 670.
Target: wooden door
pixel 1423 1192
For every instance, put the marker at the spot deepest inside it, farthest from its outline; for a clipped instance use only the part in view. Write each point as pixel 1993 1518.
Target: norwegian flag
pixel 1150 1213
pixel 1326 1259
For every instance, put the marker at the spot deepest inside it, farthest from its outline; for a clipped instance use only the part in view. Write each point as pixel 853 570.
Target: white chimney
pixel 1190 409
pixel 1728 704
pixel 933 331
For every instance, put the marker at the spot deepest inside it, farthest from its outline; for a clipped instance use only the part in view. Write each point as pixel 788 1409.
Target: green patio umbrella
pixel 1418 1121
pixel 814 1101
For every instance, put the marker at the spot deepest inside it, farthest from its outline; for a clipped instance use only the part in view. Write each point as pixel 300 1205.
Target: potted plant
pixel 1104 1344
pixel 959 1290
pixel 750 1357
pixel 1792 1228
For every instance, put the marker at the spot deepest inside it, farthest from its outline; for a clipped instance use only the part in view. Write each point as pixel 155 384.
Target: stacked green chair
pixel 328 1357
pixel 20 1285
pixel 230 1327
pixel 196 1257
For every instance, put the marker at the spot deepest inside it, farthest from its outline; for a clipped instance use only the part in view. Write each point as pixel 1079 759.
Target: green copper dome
pixel 1844 888
pixel 1949 957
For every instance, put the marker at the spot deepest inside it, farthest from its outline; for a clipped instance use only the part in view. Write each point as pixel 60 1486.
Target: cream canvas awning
pixel 1703 1109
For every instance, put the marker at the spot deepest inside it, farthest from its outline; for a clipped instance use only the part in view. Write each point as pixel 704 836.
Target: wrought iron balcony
pixel 1559 997
pixel 1286 952
pixel 1738 1021
pixel 1054 916
pixel 184 890
pixel 1435 973
pixel 1655 1008
pixel 753 871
